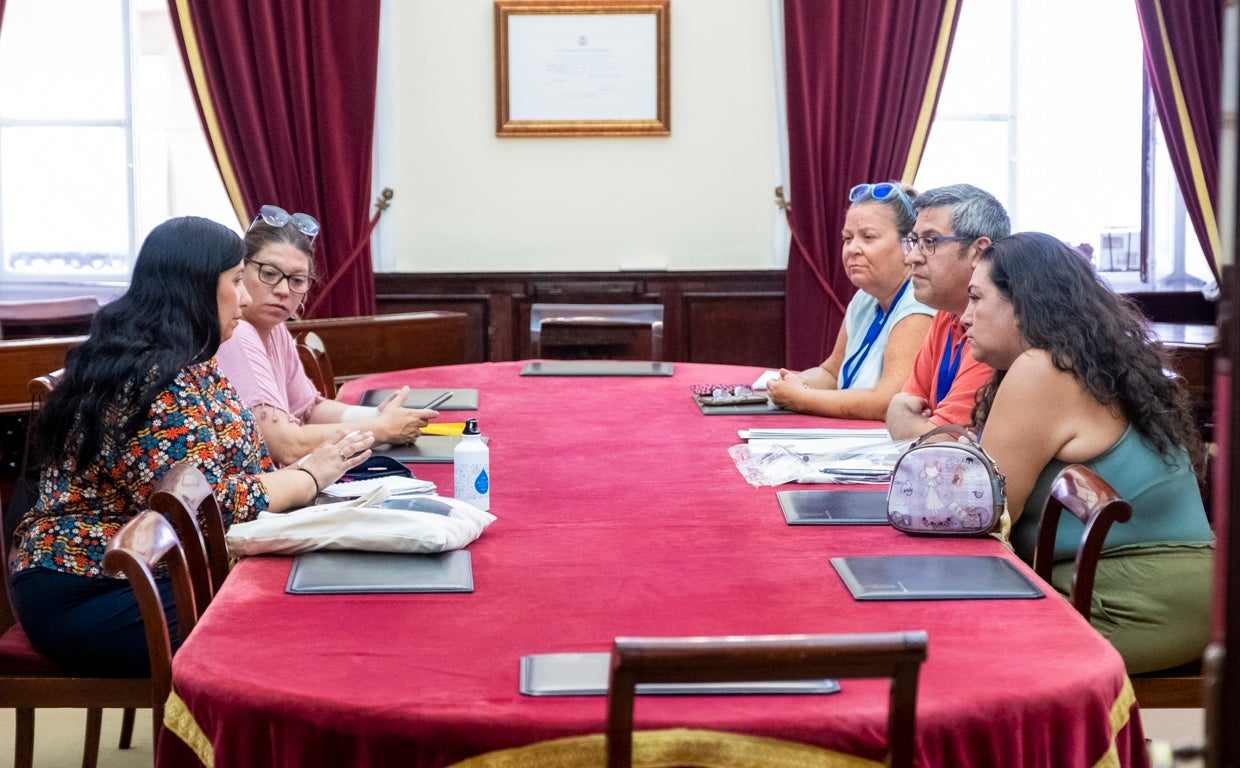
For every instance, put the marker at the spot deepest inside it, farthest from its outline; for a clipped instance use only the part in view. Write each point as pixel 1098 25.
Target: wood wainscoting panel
pixel 741 329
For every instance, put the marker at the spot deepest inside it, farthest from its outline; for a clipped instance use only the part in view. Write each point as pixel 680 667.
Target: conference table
pixel 621 513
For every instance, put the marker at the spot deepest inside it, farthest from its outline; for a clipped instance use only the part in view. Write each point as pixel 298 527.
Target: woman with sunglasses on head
pixel 884 325
pixel 261 359
pixel 1079 381
pixel 140 394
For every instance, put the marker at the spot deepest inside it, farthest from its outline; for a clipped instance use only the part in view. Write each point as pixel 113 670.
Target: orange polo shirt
pixel 955 406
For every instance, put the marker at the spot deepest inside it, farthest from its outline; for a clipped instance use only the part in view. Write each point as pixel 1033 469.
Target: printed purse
pixel 946 488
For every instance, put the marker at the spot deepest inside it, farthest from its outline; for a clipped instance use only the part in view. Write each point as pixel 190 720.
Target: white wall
pixel 466 200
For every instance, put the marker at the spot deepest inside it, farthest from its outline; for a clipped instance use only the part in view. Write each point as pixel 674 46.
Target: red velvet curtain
pixel 863 77
pixel 286 93
pixel 1184 57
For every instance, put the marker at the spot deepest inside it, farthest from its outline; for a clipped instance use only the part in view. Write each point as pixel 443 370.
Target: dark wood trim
pixel 725 316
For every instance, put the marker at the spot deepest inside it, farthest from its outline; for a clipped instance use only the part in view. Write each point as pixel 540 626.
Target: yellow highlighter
pixel 444 428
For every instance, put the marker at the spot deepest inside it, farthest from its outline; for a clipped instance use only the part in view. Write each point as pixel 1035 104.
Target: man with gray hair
pixel 954 225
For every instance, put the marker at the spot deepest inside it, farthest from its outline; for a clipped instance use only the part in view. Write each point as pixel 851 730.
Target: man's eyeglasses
pixel 927 244
pixel 272 276
pixel 880 191
pixel 275 216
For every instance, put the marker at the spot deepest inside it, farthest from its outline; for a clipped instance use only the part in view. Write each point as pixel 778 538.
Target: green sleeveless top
pixel 1166 501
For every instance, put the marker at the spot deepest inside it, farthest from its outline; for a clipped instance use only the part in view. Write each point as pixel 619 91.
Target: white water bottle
pixel 472 471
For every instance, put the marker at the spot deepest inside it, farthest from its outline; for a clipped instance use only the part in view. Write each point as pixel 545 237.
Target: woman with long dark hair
pixel 139 395
pixel 1078 380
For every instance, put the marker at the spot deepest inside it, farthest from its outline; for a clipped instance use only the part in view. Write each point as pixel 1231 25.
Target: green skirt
pixel 1154 603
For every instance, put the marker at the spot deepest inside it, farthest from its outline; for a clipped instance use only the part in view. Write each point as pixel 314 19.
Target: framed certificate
pixel 578 68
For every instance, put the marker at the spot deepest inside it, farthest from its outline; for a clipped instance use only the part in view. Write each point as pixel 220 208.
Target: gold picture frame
pixel 582 68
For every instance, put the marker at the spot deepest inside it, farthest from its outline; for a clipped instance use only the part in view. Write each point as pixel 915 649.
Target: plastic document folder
pixel 933 577
pixel 461 400
pixel 429 449
pixel 822 507
pixel 344 572
pixel 597 368
pixel 586 674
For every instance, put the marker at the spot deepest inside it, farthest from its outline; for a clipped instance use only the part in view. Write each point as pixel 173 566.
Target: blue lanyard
pixel 848 371
pixel 949 363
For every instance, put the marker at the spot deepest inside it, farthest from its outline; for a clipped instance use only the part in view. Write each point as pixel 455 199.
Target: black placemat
pixel 585 674
pixel 933 577
pixel 348 572
pixel 833 507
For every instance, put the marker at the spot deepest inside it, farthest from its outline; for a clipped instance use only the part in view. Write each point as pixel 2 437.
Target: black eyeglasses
pixel 272 276
pixel 927 244
pixel 275 216
pixel 880 191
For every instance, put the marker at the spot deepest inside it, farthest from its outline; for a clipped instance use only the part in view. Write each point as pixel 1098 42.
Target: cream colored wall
pixel 466 200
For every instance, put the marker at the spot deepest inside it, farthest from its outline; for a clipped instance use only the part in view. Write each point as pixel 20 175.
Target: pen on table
pixel 438 400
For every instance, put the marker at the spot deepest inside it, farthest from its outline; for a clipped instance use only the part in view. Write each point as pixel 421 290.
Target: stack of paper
pixel 395 485
pixel 877 433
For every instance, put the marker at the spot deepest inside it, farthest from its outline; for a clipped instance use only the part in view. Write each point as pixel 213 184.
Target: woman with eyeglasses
pixel 140 394
pixel 261 358
pixel 1078 380
pixel 884 325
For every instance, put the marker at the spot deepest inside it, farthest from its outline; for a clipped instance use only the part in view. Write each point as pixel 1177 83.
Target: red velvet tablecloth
pixel 620 512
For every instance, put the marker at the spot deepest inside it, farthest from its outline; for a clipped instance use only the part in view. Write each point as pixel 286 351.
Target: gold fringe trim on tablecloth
pixel 1121 711
pixel 670 748
pixel 180 721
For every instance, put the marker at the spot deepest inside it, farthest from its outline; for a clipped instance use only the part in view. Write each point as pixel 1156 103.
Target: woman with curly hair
pixel 1078 381
pixel 140 394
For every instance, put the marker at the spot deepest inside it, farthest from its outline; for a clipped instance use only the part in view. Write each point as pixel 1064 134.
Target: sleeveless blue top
pixel 1165 498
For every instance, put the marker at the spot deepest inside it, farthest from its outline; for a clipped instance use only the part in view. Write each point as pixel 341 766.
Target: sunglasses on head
pixel 880 191
pixel 275 216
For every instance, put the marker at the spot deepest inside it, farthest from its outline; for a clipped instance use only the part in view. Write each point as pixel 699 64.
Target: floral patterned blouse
pixel 198 419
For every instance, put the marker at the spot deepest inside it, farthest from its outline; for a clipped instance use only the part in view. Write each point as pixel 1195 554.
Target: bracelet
pixel 315 480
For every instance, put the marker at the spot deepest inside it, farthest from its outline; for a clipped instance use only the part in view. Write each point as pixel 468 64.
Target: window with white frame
pixel 99 138
pixel 1043 105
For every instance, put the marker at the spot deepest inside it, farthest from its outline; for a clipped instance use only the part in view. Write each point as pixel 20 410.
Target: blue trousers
pixel 90 624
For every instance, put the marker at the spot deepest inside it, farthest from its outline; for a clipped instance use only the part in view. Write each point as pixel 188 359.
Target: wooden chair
pixel 897 656
pixel 183 495
pixel 47 317
pixel 316 362
pixel 137 549
pixel 618 331
pixel 1097 505
pixel 30 681
pixel 26 482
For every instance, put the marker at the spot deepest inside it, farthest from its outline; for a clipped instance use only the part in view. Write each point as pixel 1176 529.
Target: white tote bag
pixel 413 523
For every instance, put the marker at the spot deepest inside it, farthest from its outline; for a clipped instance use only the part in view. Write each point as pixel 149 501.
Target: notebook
pixel 586 674
pixel 596 368
pixel 429 449
pixel 461 400
pixel 933 577
pixel 347 572
pixel 824 507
